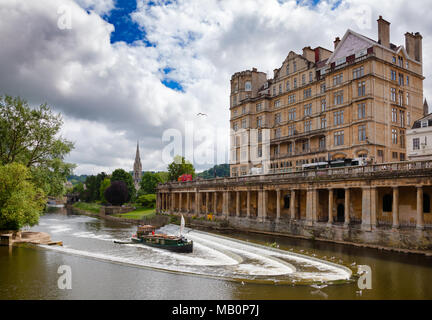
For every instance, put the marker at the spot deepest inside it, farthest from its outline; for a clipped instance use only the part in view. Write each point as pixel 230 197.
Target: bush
pixel 117 193
pixel 147 200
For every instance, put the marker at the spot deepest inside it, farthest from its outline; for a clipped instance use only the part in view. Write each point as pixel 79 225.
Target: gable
pixel 350 44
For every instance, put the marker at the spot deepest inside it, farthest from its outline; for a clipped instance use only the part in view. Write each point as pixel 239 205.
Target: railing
pixel 375 170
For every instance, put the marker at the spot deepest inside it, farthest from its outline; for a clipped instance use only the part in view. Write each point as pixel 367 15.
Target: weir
pixel 383 205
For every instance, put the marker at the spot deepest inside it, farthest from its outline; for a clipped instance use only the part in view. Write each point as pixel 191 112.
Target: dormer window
pixel 248 86
pixel 400 62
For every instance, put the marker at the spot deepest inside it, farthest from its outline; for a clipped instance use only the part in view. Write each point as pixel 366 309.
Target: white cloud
pixel 112 95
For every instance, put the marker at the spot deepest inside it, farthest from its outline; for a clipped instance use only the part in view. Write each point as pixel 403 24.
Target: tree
pixel 221 170
pixel 178 167
pixel 149 182
pixel 104 185
pixel 21 202
pixel 93 185
pixel 31 137
pixel 117 193
pixel 147 200
pixel 121 175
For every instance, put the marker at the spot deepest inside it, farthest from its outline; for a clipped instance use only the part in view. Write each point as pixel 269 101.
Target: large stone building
pixel 357 101
pixel 419 139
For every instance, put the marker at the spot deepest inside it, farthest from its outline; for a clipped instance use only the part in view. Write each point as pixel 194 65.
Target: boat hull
pixel 183 248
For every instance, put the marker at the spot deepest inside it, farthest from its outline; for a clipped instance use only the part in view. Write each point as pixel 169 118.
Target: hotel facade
pixel 354 102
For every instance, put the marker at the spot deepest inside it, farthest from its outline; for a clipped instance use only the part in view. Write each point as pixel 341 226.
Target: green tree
pixel 162 176
pixel 122 175
pixel 21 202
pixel 31 137
pixel 179 167
pixel 104 185
pixel 149 182
pixel 93 184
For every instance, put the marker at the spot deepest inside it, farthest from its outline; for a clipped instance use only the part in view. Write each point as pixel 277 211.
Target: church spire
pixel 425 108
pixel 137 168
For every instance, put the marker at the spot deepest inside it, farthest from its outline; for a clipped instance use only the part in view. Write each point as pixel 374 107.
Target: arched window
pixel 388 203
pixel 426 203
pixel 287 201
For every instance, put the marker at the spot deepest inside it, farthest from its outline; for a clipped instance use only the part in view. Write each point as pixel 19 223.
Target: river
pixel 223 266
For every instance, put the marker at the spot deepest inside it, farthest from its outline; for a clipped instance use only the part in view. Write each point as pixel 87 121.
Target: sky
pixel 122 71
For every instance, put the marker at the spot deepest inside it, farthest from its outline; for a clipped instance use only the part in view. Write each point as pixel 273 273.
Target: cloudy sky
pixel 126 70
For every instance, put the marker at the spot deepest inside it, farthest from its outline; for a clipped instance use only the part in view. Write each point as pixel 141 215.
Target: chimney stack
pixel 418 48
pixel 336 42
pixel 410 40
pixel 274 73
pixel 383 32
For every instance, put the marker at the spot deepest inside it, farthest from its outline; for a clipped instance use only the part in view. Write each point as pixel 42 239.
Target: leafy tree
pixel 121 175
pixel 179 167
pixel 21 202
pixel 93 185
pixel 147 200
pixel 149 182
pixel 221 170
pixel 104 185
pixel 117 193
pixel 31 137
pixel 162 176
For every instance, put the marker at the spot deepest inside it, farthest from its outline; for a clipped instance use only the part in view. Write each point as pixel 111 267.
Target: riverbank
pixel 10 238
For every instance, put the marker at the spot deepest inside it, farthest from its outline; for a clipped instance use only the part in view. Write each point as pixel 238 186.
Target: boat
pixel 147 236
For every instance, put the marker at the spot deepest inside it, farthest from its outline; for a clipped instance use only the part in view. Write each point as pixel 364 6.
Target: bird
pixel 201 114
pixel 319 287
pixel 242 283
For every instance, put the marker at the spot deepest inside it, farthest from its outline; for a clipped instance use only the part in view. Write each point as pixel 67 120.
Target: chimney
pixel 418 47
pixel 383 32
pixel 254 70
pixel 274 73
pixel 309 54
pixel 410 44
pixel 336 42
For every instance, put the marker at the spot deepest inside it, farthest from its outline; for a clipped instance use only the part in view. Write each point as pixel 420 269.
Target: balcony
pixel 310 151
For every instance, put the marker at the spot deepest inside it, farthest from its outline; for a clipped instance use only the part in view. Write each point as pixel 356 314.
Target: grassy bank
pixel 90 207
pixel 138 213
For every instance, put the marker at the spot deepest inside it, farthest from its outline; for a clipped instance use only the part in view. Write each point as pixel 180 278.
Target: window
pixel 407 99
pixel 400 62
pixel 303 79
pixel 394 115
pixel 310 77
pixel 278 118
pixel 308 126
pixel 401 79
pixel 277 133
pixel 295 83
pixel 307 93
pixel 394 155
pixel 393 75
pixel 287 201
pixel 277 104
pixel 394 60
pixel 322 143
pixel 402 138
pixel 408 119
pixel 305 146
pixel 308 109
pixel 402 118
pixel 402 156
pixel 243 110
pixel 287 69
pixel 280 88
pixel 426 203
pixel 243 123
pixel 407 65
pixel 393 94
pixel 361 88
pixel 290 148
pixel 287 86
pixel 294 66
pixel 248 86
pixel 394 136
pixel 274 91
pixel 234 100
pixel 338 79
pixel 387 203
pixel 292 114
pixel 259 122
pixel 362 133
pixel 424 124
pixel 323 88
pixel 259 151
pixel 407 80
pixel 338 98
pixel 276 150
pixel 361 111
pixel 259 107
pixel 323 123
pixel 359 72
pixel 291 130
pixel 338 118
pixel 259 136
pixel 416 144
pixel 235 126
pixel 401 98
pixel 235 112
pixel 291 99
pixel 339 138
pixel 323 105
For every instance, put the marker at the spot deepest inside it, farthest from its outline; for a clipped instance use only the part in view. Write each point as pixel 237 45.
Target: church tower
pixel 137 169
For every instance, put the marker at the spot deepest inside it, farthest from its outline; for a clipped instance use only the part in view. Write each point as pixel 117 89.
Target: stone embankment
pixel 9 238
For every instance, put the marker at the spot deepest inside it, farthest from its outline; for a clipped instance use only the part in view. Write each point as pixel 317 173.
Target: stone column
pixel 309 206
pixel 215 203
pixel 278 201
pixel 207 203
pixel 237 203
pixel 265 204
pixel 292 204
pixel 366 209
pixel 188 201
pixel 373 214
pixel 347 207
pixel 395 208
pixel 262 205
pixel 180 201
pixel 420 216
pixel 172 201
pixel 330 207
pixel 225 204
pixel 248 203
pixel 197 204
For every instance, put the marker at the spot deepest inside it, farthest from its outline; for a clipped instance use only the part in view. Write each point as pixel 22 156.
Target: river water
pixel 222 266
